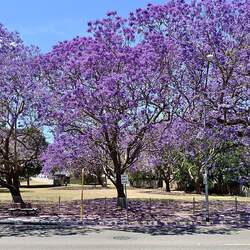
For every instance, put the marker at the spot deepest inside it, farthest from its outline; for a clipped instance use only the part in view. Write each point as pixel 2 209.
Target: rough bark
pixel 28 180
pixel 100 180
pixel 121 197
pixel 16 196
pixel 13 185
pixel 160 183
pixel 167 183
pixel 197 185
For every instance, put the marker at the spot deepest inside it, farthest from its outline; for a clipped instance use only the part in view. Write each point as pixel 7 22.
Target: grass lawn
pixel 73 192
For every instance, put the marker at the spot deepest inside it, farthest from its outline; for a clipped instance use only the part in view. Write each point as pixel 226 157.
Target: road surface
pixel 120 240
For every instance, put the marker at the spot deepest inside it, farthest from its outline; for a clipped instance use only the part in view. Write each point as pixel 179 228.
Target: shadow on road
pixel 184 230
pixel 42 231
pixel 49 231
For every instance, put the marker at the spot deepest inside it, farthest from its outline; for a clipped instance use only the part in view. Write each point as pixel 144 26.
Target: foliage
pixel 19 143
pixel 132 79
pixel 231 167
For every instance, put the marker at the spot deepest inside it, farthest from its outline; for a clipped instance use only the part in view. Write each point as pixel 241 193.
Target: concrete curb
pixel 19 222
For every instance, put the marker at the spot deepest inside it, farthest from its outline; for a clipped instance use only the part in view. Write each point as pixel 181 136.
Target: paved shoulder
pixel 94 239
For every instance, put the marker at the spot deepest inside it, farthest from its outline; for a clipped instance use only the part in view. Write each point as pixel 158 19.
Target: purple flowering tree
pixel 111 90
pixel 165 148
pixel 19 141
pixel 205 33
pixel 71 152
pixel 211 41
pixel 114 87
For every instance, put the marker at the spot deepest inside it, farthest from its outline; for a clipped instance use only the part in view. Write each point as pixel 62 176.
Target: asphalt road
pixel 120 240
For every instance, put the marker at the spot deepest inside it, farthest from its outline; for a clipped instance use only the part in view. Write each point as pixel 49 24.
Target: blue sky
pixel 45 22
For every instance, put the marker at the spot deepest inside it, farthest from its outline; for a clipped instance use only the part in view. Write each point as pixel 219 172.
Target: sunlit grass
pixel 73 192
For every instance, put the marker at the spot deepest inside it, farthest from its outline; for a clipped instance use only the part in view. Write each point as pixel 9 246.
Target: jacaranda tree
pixel 211 41
pixel 20 144
pixel 110 89
pixel 205 32
pixel 70 152
pixel 180 59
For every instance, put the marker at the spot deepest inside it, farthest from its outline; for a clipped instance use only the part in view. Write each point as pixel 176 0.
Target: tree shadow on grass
pixel 148 217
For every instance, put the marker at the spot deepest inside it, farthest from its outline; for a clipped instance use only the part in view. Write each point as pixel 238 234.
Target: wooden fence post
pixel 59 203
pixel 193 206
pixel 236 205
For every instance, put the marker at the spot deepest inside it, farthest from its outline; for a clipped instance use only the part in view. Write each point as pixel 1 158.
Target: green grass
pixel 73 192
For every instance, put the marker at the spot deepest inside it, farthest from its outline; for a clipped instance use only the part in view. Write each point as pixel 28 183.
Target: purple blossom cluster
pixel 137 85
pixel 142 82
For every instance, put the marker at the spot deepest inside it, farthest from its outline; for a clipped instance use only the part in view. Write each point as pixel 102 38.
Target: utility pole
pixel 205 177
pixel 82 182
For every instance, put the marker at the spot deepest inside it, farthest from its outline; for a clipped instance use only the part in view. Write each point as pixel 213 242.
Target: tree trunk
pixel 16 196
pixel 167 177
pixel 167 183
pixel 15 191
pixel 197 184
pixel 28 180
pixel 13 185
pixel 121 197
pixel 160 183
pixel 100 180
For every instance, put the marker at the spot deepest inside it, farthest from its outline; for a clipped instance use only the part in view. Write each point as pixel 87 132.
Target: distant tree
pixel 35 144
pixel 231 169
